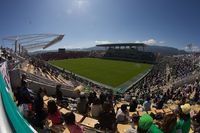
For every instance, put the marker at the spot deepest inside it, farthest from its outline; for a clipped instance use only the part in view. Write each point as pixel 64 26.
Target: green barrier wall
pixel 19 124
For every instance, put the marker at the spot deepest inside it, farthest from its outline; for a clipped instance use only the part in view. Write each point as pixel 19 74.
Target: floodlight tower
pixel 191 47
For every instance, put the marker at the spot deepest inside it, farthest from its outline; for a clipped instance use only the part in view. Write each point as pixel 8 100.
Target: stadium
pixel 99 66
pixel 122 78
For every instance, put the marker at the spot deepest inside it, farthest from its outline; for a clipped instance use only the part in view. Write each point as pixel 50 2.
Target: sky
pixel 86 23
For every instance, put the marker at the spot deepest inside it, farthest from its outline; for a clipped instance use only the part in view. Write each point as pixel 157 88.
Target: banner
pixel 6 77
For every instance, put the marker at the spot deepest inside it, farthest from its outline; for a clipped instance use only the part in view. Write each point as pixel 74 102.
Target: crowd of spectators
pixel 182 66
pixel 66 55
pixel 130 54
pixel 167 71
pixel 108 117
pixel 102 106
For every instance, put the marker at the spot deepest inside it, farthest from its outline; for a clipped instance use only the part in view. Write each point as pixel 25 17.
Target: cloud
pixel 151 41
pixel 81 3
pixel 76 6
pixel 161 42
pixel 138 42
pixel 103 42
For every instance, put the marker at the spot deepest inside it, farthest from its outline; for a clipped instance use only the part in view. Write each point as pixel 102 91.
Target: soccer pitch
pixel 108 72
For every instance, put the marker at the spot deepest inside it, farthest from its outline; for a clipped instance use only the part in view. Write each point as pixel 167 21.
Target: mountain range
pixel 163 50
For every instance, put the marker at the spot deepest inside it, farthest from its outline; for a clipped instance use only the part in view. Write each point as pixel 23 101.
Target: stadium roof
pixel 122 44
pixel 34 41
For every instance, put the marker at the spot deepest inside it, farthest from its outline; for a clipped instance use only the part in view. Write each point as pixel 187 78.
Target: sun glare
pixel 81 3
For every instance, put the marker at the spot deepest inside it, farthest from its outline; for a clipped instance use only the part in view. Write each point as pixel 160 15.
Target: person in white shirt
pixel 123 114
pixel 147 104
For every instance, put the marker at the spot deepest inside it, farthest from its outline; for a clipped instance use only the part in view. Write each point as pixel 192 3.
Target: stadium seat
pixel 123 127
pixel 89 122
pixel 64 111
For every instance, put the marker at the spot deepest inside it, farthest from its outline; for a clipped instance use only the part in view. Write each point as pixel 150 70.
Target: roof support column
pixel 15 46
pixel 19 48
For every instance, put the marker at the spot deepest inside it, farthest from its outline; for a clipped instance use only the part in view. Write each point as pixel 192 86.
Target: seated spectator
pixel 135 119
pixel 17 95
pixel 71 123
pixel 196 96
pixel 107 120
pixel 59 95
pixel 123 114
pixel 139 108
pixel 23 80
pixel 147 104
pixel 127 97
pixel 38 107
pixel 110 97
pixel 53 113
pixel 146 125
pixel 133 105
pixel 91 97
pixel 160 103
pixel 25 97
pixel 24 100
pixel 196 122
pixel 184 123
pixel 96 108
pixel 169 123
pixel 102 97
pixel 82 104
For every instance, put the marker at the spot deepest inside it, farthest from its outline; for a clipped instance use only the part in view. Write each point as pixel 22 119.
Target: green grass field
pixel 109 72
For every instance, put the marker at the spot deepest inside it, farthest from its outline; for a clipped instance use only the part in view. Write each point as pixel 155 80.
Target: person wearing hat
pixel 184 123
pixel 145 125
